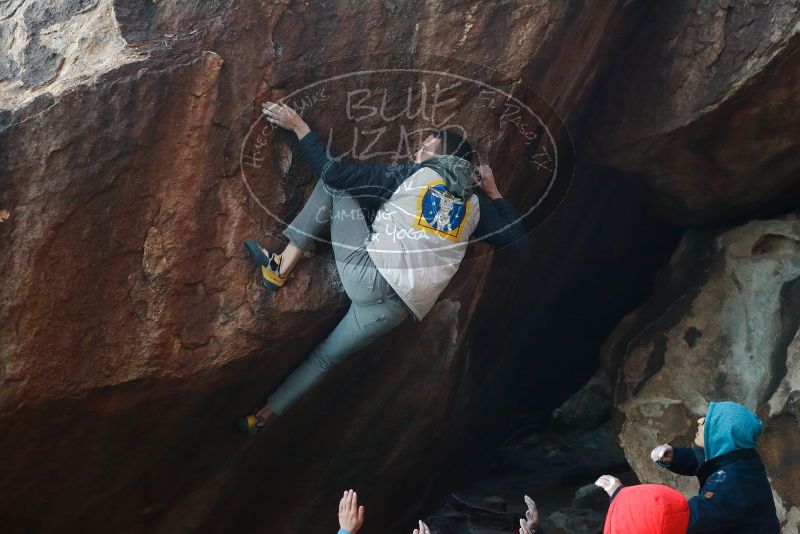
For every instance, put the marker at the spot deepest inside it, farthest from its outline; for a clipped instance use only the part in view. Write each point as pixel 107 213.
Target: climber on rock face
pixel 735 495
pixel 427 211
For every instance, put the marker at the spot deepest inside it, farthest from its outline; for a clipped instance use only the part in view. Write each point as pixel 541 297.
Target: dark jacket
pixel 735 495
pixel 372 184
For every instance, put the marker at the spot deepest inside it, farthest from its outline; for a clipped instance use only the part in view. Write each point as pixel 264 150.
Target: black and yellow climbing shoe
pixel 252 424
pixel 269 262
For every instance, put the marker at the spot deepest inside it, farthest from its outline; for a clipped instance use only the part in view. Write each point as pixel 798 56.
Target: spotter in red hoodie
pixel 647 509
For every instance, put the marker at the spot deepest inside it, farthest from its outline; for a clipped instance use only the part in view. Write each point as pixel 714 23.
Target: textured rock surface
pixel 133 331
pixel 589 407
pixel 724 324
pixel 586 515
pixel 553 467
pixel 704 106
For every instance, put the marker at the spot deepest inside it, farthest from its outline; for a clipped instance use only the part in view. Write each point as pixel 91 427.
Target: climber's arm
pixel 361 179
pixel 364 180
pixel 499 225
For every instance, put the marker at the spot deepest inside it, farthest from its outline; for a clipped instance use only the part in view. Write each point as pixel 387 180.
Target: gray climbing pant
pixel 375 308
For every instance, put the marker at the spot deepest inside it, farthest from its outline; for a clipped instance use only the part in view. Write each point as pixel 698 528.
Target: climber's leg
pixel 289 258
pixel 304 228
pixel 326 206
pixel 323 207
pixel 360 326
pixel 375 307
pixel 349 236
pixel 312 218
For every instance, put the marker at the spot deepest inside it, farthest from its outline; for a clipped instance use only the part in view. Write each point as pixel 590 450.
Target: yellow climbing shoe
pixel 251 424
pixel 269 262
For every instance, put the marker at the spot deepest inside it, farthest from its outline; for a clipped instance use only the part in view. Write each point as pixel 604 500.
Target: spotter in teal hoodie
pixel 735 496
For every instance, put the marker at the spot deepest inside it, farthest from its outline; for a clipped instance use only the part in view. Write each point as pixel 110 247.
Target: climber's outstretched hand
pixel 609 484
pixel 531 521
pixel 285 117
pixel 423 529
pixel 351 515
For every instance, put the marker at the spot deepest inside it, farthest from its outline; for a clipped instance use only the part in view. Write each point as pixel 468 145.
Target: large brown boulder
pixel 704 109
pixel 134 331
pixel 723 324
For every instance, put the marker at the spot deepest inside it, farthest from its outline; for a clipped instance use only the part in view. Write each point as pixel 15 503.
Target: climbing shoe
pixel 269 262
pixel 252 424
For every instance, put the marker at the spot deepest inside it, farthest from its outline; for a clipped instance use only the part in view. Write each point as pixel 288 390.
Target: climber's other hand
pixel 609 484
pixel 662 453
pixel 484 178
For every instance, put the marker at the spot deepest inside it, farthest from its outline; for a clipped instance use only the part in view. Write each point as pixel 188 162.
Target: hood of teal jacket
pixel 729 426
pixel 456 172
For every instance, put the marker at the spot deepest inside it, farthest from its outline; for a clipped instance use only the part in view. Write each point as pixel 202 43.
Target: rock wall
pixel 723 324
pixel 702 108
pixel 699 113
pixel 133 329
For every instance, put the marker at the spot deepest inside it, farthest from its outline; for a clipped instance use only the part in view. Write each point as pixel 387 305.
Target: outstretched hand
pixel 351 515
pixel 285 117
pixel 531 521
pixel 609 484
pixel 662 453
pixel 423 529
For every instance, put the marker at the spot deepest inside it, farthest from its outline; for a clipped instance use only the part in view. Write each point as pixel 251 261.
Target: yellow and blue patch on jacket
pixel 440 212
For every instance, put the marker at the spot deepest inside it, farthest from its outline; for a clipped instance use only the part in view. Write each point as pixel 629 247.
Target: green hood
pixel 456 172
